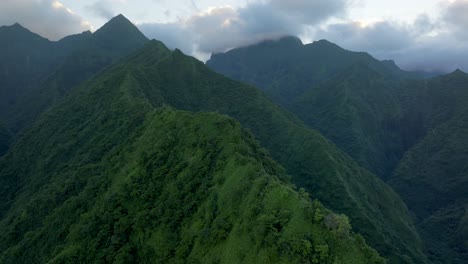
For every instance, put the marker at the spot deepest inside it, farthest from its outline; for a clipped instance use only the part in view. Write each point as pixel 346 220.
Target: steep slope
pixel 366 114
pixel 376 117
pixel 433 176
pixel 116 39
pixel 5 139
pixel 24 58
pixel 107 177
pixel 314 163
pixel 433 179
pixel 332 90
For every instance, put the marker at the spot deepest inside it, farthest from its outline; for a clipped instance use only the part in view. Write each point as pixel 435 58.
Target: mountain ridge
pixel 177 77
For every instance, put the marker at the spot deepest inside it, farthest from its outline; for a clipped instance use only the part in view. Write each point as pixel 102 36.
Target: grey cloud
pixel 423 24
pixel 310 12
pixel 172 34
pixel 426 44
pixel 224 28
pixel 380 36
pixel 102 9
pixel 456 16
pixel 48 18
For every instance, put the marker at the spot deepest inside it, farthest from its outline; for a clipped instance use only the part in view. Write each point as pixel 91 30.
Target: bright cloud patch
pixel 48 18
pixel 222 28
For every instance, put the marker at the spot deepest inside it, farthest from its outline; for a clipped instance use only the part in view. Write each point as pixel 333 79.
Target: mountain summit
pixel 78 58
pixel 119 33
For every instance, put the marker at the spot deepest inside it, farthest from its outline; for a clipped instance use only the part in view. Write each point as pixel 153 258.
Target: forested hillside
pixel 433 175
pixel 315 164
pixel 409 131
pixel 115 148
pixel 107 176
pixel 350 97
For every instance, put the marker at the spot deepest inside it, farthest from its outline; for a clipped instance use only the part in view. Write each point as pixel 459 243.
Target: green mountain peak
pixel 17 32
pixel 291 40
pixel 17 26
pixel 119 29
pixel 324 43
pixel 459 72
pixel 73 60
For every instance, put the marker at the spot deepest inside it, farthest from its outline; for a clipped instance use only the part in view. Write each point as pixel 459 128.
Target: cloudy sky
pixel 417 34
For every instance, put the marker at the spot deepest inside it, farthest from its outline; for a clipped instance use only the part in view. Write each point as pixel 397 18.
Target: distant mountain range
pixel 115 149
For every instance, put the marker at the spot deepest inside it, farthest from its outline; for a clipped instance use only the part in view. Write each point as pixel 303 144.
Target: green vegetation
pixel 382 120
pixel 116 171
pixel 433 176
pixel 107 177
pixel 365 114
pixel 350 97
pixel 375 211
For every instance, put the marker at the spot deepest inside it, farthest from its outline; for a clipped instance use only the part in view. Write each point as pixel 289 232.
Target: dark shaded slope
pixel 106 177
pixel 116 39
pixel 5 139
pixel 433 177
pixel 26 59
pixel 433 180
pixel 333 90
pixel 370 111
pixel 332 177
pixel 366 114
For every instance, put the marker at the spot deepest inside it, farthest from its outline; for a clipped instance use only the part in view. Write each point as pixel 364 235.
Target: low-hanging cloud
pixel 48 18
pixel 172 34
pixel 102 9
pixel 456 16
pixel 427 43
pixel 437 44
pixel 223 28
